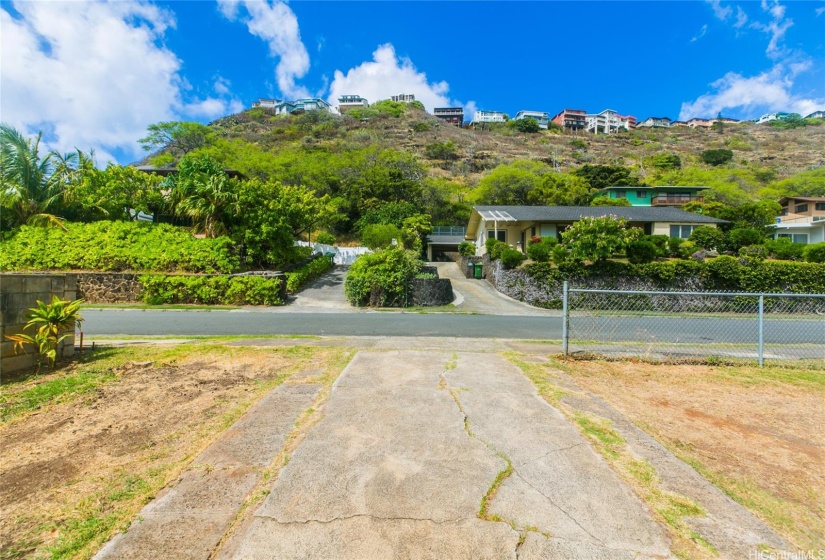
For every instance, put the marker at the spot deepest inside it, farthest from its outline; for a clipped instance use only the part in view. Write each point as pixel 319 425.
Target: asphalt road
pixel 681 329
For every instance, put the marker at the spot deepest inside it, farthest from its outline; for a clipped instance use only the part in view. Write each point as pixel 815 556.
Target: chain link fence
pixel 675 326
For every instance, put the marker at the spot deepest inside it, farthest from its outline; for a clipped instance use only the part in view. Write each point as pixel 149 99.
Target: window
pixel 795 237
pixel 799 208
pixel 621 194
pixel 784 211
pixel 819 206
pixel 641 194
pixel 502 234
pixel 681 231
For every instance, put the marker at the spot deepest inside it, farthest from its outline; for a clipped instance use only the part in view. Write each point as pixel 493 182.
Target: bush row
pixel 116 246
pixel 299 278
pixel 382 278
pixel 210 290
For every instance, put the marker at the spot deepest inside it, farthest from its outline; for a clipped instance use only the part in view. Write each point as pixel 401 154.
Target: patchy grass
pixel 86 447
pixel 756 433
pixel 540 376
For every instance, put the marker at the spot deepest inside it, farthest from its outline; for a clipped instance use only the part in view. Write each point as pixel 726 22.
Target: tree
pixel 32 187
pixel 664 161
pixel 203 192
pixel 596 239
pixel 607 201
pixel 510 184
pixel 529 125
pixel 380 236
pixel 179 136
pixel 414 231
pixel 560 189
pixel 708 237
pixel 718 125
pixel 115 193
pixel 601 176
pixel 717 157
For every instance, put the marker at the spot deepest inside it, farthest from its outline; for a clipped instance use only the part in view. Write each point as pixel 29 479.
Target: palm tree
pixel 32 188
pixel 209 200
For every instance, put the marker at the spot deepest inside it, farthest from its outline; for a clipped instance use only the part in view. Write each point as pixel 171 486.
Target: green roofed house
pixel 515 225
pixel 654 196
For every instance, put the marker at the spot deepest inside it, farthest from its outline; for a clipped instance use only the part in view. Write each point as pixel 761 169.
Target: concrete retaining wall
pixel 19 293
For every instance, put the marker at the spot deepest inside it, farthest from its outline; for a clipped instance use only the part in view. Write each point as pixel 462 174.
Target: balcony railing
pixel 449 230
pixel 675 199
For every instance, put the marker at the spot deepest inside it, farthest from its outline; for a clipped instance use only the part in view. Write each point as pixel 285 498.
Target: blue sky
pixel 95 74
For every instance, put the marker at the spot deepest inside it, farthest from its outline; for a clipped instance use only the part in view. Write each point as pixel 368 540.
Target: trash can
pixel 470 270
pixel 479 267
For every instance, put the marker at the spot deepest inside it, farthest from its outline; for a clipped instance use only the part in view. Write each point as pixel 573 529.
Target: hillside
pixel 325 152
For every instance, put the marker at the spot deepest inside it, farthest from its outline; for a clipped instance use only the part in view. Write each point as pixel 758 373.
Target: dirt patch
pixel 69 462
pixel 757 435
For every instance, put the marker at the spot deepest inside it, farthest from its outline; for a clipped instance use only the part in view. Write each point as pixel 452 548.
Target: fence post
pixel 565 311
pixel 760 350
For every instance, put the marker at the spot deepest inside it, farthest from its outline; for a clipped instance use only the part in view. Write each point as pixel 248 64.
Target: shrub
pixel 664 161
pixel 379 236
pixel 441 150
pixel 210 290
pixel 578 144
pixel 467 249
pixel 496 249
pixel 381 278
pixel 115 246
pixel 297 279
pixel 673 245
pixel 511 258
pixel 708 237
pixel 814 253
pixel 596 239
pixel 641 251
pixel 744 237
pixel 541 250
pixel 326 238
pixel 661 242
pixel 488 244
pixel 754 253
pixel 529 125
pixel 716 157
pixel 784 249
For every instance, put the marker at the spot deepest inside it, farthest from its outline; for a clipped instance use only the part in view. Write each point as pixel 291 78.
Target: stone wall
pixel 19 293
pixel 429 292
pixel 108 287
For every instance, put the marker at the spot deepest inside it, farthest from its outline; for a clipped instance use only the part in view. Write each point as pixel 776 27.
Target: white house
pixel 489 117
pixel 539 116
pixel 347 102
pixel 802 219
pixel 608 122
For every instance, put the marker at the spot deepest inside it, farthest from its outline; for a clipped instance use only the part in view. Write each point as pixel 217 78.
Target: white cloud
pixel 819 11
pixel 776 28
pixel 750 97
pixel 701 34
pixel 275 23
pixel 721 12
pixel 387 75
pixel 741 18
pixel 93 75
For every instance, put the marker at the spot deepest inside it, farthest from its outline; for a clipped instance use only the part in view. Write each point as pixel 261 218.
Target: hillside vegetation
pixel 403 154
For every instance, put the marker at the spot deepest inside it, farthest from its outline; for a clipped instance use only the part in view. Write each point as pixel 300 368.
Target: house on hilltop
pixel 571 119
pixel 654 122
pixel 349 102
pixel 403 98
pixel 489 117
pixel 451 115
pixel 539 116
pixel 608 122
pixel 515 225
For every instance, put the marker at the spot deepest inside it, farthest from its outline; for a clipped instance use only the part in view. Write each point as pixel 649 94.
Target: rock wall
pixel 108 287
pixel 18 293
pixel 429 292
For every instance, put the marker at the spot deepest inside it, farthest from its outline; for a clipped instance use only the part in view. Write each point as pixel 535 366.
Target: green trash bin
pixel 479 268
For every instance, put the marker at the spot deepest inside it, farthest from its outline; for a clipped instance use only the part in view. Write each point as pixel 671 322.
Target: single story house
pixel 515 225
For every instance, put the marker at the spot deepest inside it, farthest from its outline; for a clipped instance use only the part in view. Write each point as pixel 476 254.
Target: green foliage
pixel 511 258
pixel 716 157
pixel 202 191
pixel 441 150
pixel 379 236
pixel 489 242
pixel 414 231
pixel 381 278
pixel 210 290
pixel 528 125
pixel 178 136
pixel 325 238
pixel 555 127
pixel 299 278
pixel 578 144
pixel 562 189
pixel 708 237
pixel 784 249
pixel 391 213
pixel 760 215
pixel 674 245
pixel 601 176
pixel 541 250
pixel 607 201
pixel 32 187
pixel 113 246
pixel 417 105
pixel 641 251
pixel 754 253
pixel 596 239
pixel 421 127
pixel 661 243
pixel 743 237
pixel 54 322
pixel 510 184
pixel 467 248
pixel 496 248
pixel 807 183
pixel 664 161
pixel 814 253
pixel 114 193
pixel 794 120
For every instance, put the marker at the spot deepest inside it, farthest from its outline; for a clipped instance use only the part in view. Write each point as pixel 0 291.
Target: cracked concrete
pixel 391 472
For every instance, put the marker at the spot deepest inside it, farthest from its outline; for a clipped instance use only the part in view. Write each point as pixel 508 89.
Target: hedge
pixel 382 278
pixel 299 278
pixel 210 290
pixel 116 246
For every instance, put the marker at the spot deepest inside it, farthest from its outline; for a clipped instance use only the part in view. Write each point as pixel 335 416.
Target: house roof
pixel 805 198
pixel 655 188
pixel 573 213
